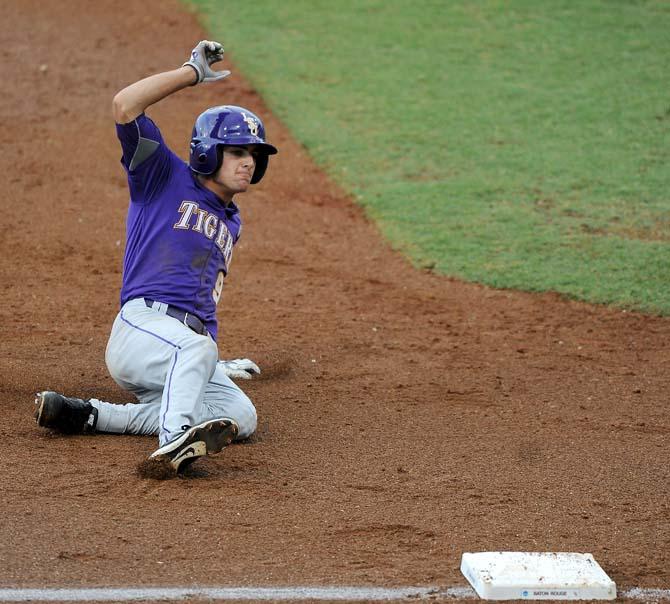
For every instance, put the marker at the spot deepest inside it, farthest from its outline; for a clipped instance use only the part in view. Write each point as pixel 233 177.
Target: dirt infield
pixel 404 418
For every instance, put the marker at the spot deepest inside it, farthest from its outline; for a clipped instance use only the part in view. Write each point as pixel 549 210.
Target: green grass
pixel 520 143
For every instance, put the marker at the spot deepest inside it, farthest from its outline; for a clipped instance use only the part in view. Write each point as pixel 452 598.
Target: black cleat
pixel 64 414
pixel 208 438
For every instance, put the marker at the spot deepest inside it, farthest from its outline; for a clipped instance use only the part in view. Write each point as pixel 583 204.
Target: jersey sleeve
pixel 146 158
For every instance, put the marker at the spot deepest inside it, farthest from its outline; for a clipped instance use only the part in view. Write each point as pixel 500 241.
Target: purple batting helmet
pixel 227 125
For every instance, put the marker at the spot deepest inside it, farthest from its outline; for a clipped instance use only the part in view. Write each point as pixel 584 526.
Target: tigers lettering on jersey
pixel 202 221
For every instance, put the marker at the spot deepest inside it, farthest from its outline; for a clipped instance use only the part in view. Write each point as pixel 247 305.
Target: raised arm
pixel 134 99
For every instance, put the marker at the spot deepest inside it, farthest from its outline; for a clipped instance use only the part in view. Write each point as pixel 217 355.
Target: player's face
pixel 237 168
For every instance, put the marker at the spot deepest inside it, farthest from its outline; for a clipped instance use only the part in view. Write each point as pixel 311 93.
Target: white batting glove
pixel 202 57
pixel 240 368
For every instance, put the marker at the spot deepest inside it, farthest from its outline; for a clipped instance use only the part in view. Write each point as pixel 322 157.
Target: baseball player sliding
pixel 182 225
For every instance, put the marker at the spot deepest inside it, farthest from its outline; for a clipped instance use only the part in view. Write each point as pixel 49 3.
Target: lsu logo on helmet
pixel 252 123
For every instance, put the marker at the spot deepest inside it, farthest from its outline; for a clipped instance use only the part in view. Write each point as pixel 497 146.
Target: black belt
pixel 188 319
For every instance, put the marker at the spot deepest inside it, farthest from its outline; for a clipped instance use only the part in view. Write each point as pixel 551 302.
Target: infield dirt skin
pixel 404 417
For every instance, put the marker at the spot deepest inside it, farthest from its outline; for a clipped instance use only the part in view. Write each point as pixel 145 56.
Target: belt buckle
pixel 185 321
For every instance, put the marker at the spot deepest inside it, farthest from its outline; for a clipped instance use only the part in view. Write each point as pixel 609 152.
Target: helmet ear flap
pixel 203 157
pixel 261 167
pixel 198 154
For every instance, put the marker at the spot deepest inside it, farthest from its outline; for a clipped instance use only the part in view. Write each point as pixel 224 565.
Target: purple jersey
pixel 179 234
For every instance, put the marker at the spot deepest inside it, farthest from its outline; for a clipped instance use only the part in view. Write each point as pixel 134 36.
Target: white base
pixel 537 576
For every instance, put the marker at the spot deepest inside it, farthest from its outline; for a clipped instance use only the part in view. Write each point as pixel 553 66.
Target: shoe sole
pixel 208 438
pixel 40 402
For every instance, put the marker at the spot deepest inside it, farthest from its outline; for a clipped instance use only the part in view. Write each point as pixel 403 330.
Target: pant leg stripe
pixel 169 384
pixel 151 333
pixel 174 362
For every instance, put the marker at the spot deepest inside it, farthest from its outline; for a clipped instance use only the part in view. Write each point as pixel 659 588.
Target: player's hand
pixel 240 368
pixel 203 56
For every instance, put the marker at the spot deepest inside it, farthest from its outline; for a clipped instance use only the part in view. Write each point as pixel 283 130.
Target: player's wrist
pixel 193 70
